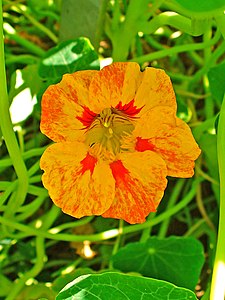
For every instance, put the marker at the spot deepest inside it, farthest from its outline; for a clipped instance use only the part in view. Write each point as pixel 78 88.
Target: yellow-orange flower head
pixel 116 138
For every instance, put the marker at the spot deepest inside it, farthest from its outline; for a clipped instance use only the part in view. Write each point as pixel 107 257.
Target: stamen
pixel 106 117
pixel 105 135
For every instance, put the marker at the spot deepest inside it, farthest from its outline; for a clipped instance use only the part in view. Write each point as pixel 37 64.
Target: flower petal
pixel 178 149
pixel 160 131
pixel 115 83
pixel 157 120
pixel 140 182
pixel 155 89
pixel 63 104
pixel 76 181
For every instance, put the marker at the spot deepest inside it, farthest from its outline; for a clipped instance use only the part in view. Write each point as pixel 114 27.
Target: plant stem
pixel 40 26
pixel 220 19
pixel 22 41
pixel 218 283
pixel 177 49
pixel 147 231
pixel 100 23
pixel 173 198
pixel 34 271
pixel 29 230
pixel 25 59
pixel 8 133
pixel 124 33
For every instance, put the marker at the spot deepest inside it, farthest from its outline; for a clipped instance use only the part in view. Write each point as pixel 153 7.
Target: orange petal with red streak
pixel 115 83
pixel 77 183
pixel 161 131
pixel 178 149
pixel 62 103
pixel 140 183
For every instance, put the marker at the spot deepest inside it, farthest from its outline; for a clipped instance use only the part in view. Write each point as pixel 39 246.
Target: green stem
pixel 211 62
pixel 74 224
pixel 31 231
pixel 100 23
pixel 177 49
pixel 172 19
pixel 8 133
pixel 218 283
pixel 124 33
pixel 173 198
pixel 10 31
pixel 24 59
pixel 29 209
pixel 147 231
pixel 8 192
pixel 220 21
pixel 7 162
pixel 38 266
pixel 209 103
pixel 117 242
pixel 40 26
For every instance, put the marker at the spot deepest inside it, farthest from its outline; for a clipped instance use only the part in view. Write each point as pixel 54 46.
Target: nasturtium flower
pixel 116 138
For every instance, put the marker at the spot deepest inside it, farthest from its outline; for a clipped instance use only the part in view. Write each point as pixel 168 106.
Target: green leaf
pixel 5 285
pixel 68 57
pixel 115 286
pixel 32 79
pixel 216 77
pixel 204 8
pixel 79 18
pixel 61 281
pixel 175 259
pixel 37 291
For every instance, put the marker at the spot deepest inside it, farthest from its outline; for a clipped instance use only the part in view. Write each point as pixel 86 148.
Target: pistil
pixel 105 134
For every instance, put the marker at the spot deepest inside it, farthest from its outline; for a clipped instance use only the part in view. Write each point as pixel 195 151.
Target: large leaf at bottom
pixel 115 286
pixel 175 259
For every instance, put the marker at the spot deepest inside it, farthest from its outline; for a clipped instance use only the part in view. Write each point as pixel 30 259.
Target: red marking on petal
pixel 118 170
pixel 88 164
pixel 129 108
pixel 143 145
pixel 87 117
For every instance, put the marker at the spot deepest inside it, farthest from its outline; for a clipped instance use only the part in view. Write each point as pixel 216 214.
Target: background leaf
pixel 216 77
pixel 111 286
pixel 199 6
pixel 79 18
pixel 63 280
pixel 175 259
pixel 68 57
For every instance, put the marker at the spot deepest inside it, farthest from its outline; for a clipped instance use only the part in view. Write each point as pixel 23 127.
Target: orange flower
pixel 117 138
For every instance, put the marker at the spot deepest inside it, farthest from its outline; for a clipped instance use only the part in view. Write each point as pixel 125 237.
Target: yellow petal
pixel 115 83
pixel 155 89
pixel 76 181
pixel 140 183
pixel 62 103
pixel 161 131
pixel 178 149
pixel 156 121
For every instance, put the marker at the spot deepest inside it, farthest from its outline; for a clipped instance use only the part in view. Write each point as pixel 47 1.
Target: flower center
pixel 105 135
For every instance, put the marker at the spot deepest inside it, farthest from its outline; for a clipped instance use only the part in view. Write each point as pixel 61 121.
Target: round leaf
pixel 68 57
pixel 116 286
pixel 175 259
